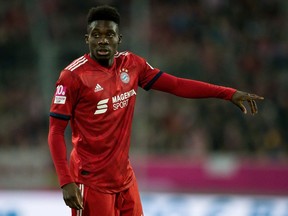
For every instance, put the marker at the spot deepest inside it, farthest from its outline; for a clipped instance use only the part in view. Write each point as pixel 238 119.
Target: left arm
pixel 196 89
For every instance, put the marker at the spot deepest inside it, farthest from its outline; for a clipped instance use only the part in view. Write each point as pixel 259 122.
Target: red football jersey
pixel 100 102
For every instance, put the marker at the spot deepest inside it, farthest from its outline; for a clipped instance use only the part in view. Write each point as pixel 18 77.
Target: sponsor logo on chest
pixel 124 96
pixel 118 102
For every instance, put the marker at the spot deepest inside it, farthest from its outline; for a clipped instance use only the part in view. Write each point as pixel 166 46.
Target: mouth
pixel 103 52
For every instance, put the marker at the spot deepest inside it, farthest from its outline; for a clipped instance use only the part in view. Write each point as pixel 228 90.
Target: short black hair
pixel 103 12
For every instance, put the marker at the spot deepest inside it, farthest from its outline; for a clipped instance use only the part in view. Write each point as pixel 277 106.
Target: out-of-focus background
pixel 179 146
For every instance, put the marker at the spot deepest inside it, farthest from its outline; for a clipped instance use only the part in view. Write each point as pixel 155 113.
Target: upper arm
pixel 148 74
pixel 65 96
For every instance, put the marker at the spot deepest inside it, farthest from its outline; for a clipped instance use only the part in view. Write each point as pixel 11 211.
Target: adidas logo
pixel 98 88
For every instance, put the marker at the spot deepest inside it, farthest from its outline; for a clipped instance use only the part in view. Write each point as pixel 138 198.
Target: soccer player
pixel 97 94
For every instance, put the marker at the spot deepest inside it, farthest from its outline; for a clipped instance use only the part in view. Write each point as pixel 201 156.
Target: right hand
pixel 72 196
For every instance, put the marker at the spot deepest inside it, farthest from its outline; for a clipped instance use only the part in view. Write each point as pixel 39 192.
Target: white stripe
pixel 78 65
pixel 117 54
pixel 82 191
pixel 75 62
pixel 121 53
pixel 75 65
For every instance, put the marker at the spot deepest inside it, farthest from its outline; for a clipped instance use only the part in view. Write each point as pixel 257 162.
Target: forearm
pixel 57 147
pixel 191 88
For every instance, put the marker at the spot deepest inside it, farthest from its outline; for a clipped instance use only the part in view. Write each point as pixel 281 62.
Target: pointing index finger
pixel 255 97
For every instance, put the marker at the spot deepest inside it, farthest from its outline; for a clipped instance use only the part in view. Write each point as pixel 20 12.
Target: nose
pixel 103 40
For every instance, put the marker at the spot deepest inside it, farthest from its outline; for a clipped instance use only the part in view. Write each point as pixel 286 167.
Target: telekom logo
pixel 60 90
pixel 101 106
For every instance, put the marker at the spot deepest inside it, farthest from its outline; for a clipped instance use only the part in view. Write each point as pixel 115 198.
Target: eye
pixel 95 35
pixel 111 35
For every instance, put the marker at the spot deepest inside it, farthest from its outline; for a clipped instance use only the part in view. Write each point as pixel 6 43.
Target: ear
pixel 119 38
pixel 86 38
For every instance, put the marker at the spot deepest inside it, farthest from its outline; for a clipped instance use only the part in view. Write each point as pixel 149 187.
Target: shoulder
pixel 72 70
pixel 123 54
pixel 77 65
pixel 129 56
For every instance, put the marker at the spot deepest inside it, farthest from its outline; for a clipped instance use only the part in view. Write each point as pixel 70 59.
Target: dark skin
pixel 103 39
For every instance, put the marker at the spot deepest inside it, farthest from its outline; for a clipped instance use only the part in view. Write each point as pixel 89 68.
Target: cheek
pixel 116 43
pixel 92 41
pixel 92 44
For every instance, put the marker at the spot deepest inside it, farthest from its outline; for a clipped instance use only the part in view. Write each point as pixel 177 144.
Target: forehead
pixel 103 25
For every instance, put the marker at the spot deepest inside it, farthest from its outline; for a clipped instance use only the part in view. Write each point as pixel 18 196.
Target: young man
pixel 97 94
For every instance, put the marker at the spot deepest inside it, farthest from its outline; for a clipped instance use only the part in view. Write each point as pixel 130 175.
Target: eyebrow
pixel 109 31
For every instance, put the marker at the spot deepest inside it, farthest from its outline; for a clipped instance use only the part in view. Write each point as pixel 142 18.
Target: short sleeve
pixel 148 74
pixel 65 96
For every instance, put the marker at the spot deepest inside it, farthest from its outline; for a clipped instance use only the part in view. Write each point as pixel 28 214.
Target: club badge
pixel 124 76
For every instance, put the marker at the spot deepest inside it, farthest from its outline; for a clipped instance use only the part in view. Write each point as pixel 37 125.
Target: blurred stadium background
pixel 191 157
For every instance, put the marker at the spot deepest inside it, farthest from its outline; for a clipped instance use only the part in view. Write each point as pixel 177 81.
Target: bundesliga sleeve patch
pixel 60 93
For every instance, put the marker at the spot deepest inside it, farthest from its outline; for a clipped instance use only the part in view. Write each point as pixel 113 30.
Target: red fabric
pixel 124 203
pixel 99 102
pixel 191 88
pixel 57 147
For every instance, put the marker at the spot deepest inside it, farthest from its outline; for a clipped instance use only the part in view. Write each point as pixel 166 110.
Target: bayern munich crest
pixel 124 76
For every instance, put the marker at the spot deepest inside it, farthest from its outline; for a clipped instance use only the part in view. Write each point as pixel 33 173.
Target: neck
pixel 103 62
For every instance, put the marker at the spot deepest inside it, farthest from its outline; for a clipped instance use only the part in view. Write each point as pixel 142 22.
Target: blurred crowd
pixel 241 44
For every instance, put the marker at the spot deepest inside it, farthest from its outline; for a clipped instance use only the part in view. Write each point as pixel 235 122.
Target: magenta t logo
pixel 60 90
